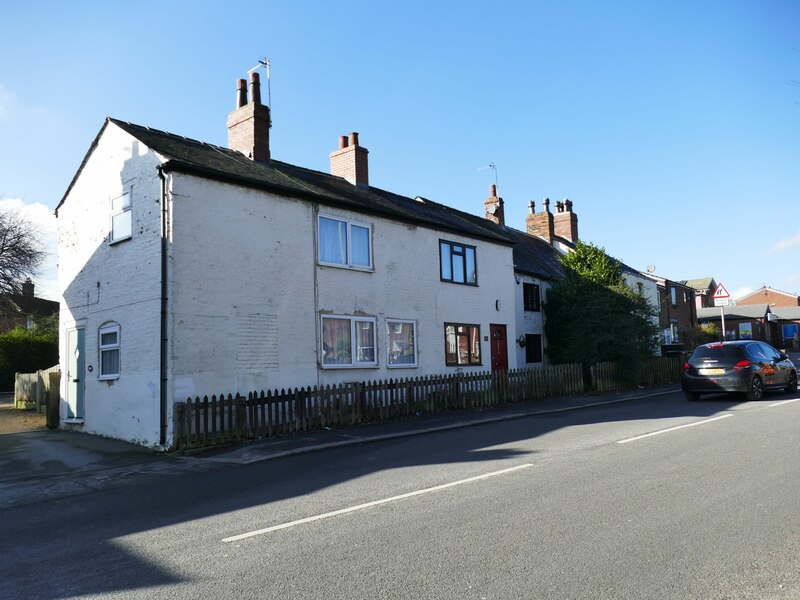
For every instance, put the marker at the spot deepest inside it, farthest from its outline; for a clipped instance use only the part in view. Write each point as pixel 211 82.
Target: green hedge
pixel 23 351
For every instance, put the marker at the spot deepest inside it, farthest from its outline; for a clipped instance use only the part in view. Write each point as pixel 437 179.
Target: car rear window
pixel 717 353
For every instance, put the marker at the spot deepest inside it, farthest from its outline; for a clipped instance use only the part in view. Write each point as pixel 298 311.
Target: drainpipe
pixel 164 289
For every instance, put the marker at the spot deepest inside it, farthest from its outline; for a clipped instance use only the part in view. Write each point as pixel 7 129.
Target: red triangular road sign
pixel 721 292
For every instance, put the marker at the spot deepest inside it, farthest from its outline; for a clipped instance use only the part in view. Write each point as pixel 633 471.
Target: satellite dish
pixel 651 268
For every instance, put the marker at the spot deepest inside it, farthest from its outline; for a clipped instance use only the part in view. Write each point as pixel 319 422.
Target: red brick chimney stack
pixel 248 125
pixel 350 161
pixel 540 224
pixel 494 207
pixel 566 221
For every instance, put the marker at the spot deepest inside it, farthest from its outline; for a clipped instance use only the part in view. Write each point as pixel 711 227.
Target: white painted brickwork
pixel 119 283
pixel 244 290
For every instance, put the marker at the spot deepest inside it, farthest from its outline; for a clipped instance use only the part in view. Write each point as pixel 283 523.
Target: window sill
pixel 117 241
pixel 415 366
pixel 347 267
pixel 74 421
pixel 335 367
pixel 108 377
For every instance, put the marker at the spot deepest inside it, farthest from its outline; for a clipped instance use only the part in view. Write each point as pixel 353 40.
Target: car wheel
pixel 791 387
pixel 692 396
pixel 756 390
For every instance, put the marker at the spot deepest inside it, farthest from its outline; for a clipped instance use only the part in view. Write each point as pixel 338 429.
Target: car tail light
pixel 742 364
pixel 686 367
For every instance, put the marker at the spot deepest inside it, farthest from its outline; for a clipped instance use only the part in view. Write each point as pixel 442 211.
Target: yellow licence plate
pixel 712 371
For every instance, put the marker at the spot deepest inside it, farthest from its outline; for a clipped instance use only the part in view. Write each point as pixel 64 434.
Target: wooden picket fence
pixel 222 419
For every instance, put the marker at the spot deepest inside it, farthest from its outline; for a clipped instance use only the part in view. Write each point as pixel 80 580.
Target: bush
pixel 24 351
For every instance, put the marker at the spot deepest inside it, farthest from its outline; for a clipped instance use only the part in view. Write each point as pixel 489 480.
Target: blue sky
pixel 673 126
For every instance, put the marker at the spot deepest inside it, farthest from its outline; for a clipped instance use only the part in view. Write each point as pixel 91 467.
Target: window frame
pixel 105 348
pixel 673 296
pixel 349 223
pixel 465 252
pixel 531 340
pixel 536 306
pixel 471 327
pixel 389 364
pixel 353 364
pixel 126 208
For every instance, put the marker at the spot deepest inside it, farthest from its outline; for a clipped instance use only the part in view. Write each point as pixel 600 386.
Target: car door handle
pixel 75 380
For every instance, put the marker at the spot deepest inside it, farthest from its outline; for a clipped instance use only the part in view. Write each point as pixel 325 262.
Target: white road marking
pixel 652 433
pixel 784 402
pixel 351 509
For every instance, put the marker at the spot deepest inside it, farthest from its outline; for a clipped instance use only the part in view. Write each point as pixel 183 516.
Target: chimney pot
pixel 248 124
pixel 546 203
pixel 342 142
pixel 353 138
pixel 255 88
pixel 241 93
pixel 493 191
pixel 531 207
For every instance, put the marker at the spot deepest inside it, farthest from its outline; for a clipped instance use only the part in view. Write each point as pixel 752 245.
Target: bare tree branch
pixel 21 252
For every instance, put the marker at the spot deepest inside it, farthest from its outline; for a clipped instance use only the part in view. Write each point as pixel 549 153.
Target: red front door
pixel 499 347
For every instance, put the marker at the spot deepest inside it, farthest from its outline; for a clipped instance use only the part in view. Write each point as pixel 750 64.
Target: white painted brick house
pixel 189 269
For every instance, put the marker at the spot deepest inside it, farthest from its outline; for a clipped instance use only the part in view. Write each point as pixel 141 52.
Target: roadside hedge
pixel 24 351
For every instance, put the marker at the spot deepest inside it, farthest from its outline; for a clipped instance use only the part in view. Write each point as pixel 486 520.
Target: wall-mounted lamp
pixel 521 341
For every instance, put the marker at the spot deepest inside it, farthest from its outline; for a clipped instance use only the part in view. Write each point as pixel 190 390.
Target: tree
pixel 21 254
pixel 592 315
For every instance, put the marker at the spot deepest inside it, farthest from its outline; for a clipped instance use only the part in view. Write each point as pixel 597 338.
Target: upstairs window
pixel 673 296
pixel 109 351
pixel 348 341
pixel 462 344
pixel 121 226
pixel 344 243
pixel 457 263
pixel 531 297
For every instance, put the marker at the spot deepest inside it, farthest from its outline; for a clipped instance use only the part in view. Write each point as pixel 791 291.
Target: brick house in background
pixel 24 309
pixel 704 289
pixel 677 312
pixel 769 296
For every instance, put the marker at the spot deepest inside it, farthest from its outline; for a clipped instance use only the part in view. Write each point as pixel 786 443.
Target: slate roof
pixel 754 311
pixel 190 156
pixel 533 256
pixel 701 285
pixel 787 313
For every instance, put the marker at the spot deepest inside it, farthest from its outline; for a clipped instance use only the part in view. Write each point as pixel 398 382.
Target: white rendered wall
pixel 529 322
pixel 247 293
pixel 120 283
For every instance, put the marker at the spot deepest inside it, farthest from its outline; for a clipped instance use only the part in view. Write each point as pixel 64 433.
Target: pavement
pixel 41 465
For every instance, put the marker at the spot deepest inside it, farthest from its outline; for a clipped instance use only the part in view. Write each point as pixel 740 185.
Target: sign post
pixel 722 299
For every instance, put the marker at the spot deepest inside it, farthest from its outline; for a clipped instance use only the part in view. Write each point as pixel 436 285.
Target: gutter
pixel 164 322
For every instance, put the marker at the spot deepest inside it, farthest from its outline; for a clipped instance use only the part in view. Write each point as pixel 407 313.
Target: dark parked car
pixel 744 366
